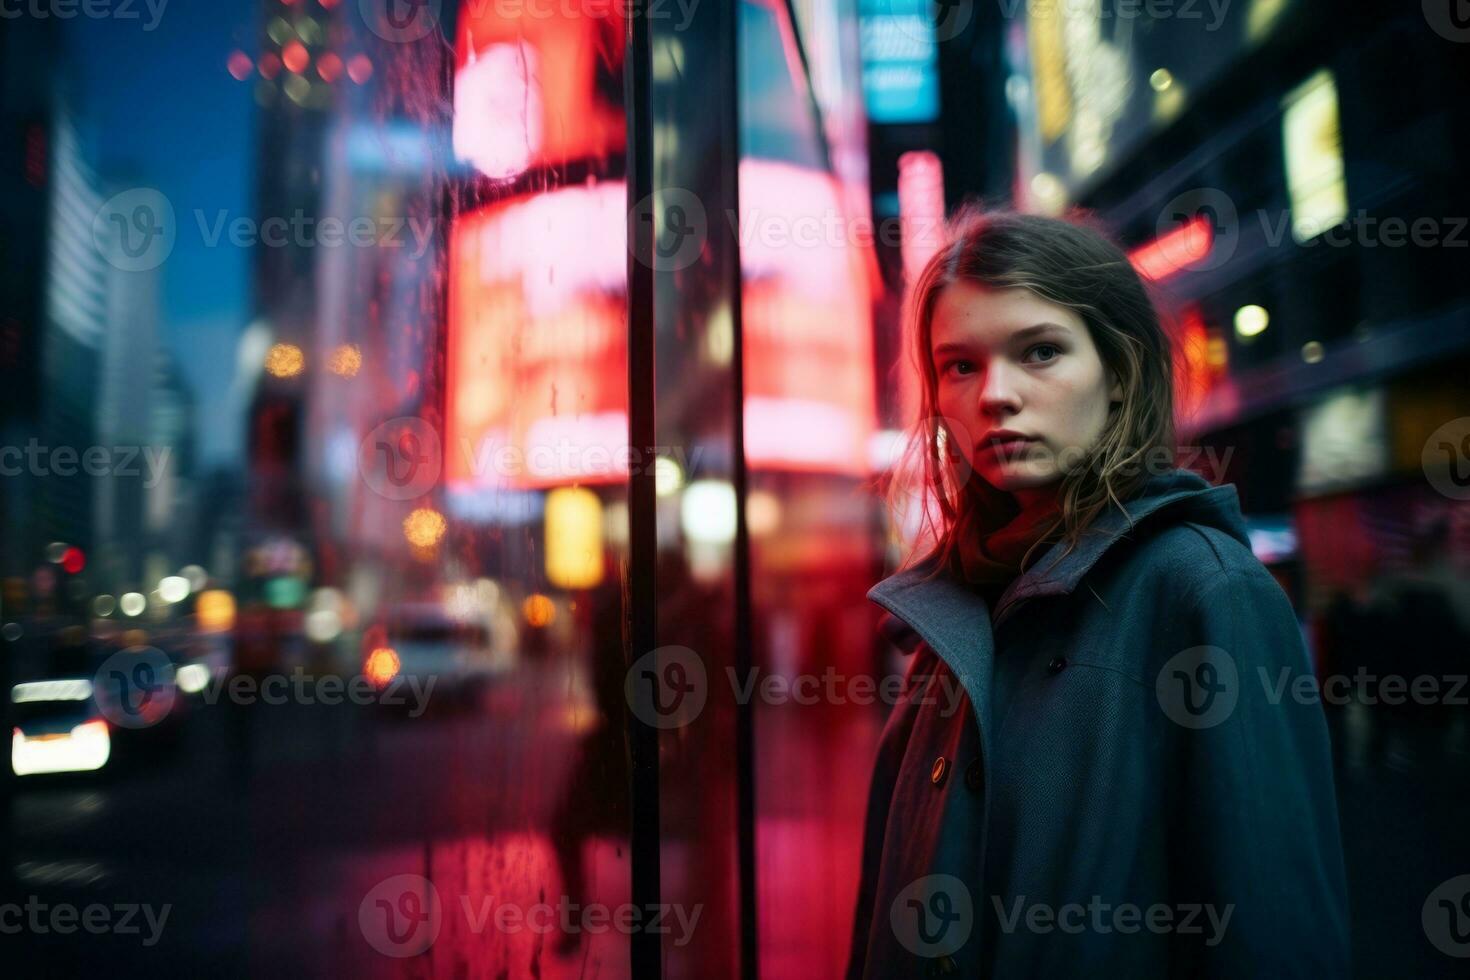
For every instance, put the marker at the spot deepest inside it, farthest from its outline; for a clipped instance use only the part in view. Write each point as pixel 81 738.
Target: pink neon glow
pixel 798 434
pixel 920 209
pixel 498 113
pixel 793 226
pixel 1175 249
pixel 557 245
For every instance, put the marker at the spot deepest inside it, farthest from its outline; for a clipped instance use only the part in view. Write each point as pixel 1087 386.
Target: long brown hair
pixel 1073 264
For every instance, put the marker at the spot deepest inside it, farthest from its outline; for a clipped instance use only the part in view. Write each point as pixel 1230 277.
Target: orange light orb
pixel 424 527
pixel 381 666
pixel 538 609
pixel 346 361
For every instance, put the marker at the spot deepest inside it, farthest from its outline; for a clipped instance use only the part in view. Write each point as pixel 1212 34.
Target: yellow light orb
pixel 284 360
pixel 424 527
pixel 346 361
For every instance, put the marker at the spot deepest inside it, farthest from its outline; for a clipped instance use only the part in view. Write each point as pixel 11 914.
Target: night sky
pixel 158 108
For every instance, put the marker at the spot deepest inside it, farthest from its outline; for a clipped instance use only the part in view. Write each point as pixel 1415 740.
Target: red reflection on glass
pixel 295 57
pixel 534 89
pixel 536 308
pixel 329 66
pixel 808 334
pixel 920 209
pixel 73 560
pixel 1175 249
pixel 239 65
pixel 360 68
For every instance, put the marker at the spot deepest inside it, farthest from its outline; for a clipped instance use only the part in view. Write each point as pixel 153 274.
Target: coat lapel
pixel 958 626
pixel 954 622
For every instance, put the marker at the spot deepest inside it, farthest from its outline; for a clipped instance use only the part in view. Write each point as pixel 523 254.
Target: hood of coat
pixel 1179 496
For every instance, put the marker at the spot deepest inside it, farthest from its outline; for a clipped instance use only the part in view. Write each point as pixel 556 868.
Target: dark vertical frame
pixel 642 592
pixel 745 711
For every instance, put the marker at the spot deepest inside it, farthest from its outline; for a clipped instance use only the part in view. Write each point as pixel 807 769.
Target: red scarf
pixel 992 556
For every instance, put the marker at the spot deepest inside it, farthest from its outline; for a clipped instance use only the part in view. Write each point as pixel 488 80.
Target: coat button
pixel 974 776
pixel 941 766
pixel 1056 665
pixel 942 967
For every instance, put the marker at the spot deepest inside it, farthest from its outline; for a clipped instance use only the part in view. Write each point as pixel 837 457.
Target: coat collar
pixel 954 620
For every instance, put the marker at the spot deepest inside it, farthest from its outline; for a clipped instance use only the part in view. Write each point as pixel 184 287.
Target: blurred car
pixel 57 727
pixel 420 644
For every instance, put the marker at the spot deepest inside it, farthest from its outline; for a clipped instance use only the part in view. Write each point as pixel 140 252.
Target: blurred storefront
pixel 1288 178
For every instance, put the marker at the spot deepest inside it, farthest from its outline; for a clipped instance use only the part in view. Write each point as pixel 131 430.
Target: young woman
pixel 1098 766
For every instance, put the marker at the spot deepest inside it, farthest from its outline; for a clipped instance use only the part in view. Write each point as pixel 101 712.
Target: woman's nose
pixel 997 392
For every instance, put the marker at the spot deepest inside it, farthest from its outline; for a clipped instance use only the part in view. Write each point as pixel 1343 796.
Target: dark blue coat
pixel 1110 775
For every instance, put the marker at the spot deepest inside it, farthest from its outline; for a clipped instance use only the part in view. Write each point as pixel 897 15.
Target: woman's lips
pixel 1009 444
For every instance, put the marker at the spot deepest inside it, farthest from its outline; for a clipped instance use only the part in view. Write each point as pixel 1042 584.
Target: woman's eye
pixel 960 367
pixel 1044 352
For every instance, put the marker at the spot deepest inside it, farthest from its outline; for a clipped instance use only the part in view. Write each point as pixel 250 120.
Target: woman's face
pixel 1023 378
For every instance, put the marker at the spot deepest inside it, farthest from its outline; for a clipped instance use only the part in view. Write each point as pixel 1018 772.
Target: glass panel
pixel 316 321
pixel 696 277
pixel 810 280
